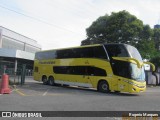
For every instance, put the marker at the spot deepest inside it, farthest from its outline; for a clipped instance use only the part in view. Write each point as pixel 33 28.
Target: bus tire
pixel 44 80
pixel 103 87
pixel 51 81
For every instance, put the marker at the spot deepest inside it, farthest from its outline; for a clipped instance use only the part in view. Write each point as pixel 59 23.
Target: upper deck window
pixel 45 55
pixel 122 50
pixel 116 50
pixel 86 52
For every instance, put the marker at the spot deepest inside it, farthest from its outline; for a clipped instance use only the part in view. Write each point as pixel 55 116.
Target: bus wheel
pixel 51 81
pixel 103 87
pixel 44 80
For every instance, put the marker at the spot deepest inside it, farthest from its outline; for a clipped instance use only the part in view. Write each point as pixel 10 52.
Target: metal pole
pixel 15 70
pixel 0 38
pixel 4 69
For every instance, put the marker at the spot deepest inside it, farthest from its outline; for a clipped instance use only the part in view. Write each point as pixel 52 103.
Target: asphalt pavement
pixel 34 96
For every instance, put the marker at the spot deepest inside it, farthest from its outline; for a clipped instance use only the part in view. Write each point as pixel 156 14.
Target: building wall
pixel 0 38
pixel 12 40
pixel 15 51
pixel 12 44
pixel 157 26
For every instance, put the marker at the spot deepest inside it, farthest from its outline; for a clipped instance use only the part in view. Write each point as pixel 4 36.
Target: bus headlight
pixel 132 83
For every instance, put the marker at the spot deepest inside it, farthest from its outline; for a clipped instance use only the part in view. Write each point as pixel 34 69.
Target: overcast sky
pixel 62 23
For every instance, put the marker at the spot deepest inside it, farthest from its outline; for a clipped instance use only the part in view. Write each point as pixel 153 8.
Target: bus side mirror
pixel 139 64
pixel 151 64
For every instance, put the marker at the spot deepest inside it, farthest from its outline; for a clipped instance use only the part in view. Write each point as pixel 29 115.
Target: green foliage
pixel 156 37
pixel 122 27
pixel 146 49
pixel 146 33
pixel 156 60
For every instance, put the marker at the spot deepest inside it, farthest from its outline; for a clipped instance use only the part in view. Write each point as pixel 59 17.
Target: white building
pixel 16 50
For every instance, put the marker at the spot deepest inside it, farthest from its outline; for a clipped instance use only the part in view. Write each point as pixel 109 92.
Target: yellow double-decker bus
pixel 106 67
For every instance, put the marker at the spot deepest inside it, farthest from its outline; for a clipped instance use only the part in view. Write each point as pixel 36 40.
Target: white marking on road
pixel 45 92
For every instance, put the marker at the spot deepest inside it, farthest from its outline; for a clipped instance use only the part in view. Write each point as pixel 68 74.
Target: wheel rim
pixel 105 87
pixel 51 82
pixel 44 80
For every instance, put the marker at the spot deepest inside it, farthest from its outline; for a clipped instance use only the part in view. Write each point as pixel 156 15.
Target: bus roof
pixel 85 46
pixel 71 47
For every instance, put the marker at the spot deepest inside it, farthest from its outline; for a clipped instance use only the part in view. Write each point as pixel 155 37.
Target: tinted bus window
pixel 61 54
pixel 75 53
pixel 83 52
pixel 99 52
pixel 117 50
pixel 45 55
pixel 121 68
pixel 79 70
pixel 49 55
pixel 94 71
pixel 88 52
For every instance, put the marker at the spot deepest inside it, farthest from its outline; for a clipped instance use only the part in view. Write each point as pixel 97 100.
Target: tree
pixel 121 27
pixel 146 44
pixel 147 49
pixel 156 61
pixel 146 33
pixel 156 37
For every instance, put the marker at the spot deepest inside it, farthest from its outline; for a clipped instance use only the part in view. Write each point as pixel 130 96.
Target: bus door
pixel 86 77
pixel 82 77
pixel 94 74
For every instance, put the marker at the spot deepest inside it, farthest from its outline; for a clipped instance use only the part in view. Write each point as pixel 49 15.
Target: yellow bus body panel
pixel 116 83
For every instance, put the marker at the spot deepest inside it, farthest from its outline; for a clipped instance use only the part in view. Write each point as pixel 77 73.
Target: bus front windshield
pixel 137 73
pixel 133 52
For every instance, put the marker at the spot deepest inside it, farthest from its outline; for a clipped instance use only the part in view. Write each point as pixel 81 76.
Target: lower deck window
pixel 79 70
